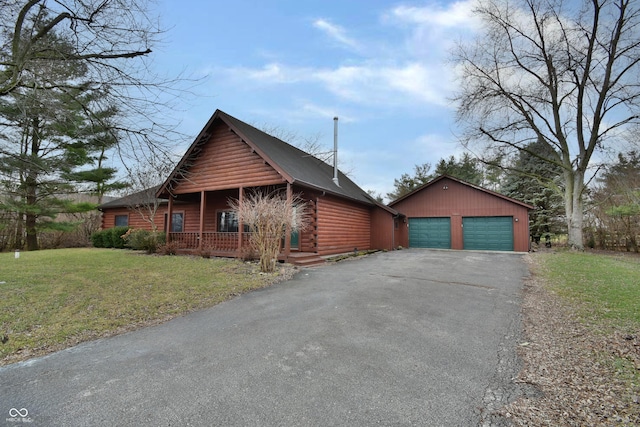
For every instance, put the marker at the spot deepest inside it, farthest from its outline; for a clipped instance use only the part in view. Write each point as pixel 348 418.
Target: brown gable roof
pixel 295 165
pixel 468 184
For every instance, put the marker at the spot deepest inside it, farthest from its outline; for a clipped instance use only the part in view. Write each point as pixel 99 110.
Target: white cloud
pixel 336 32
pixel 386 85
pixel 433 29
pixel 370 84
pixel 416 77
pixel 456 15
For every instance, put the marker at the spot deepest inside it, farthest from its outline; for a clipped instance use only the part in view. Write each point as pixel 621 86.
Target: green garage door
pixel 493 233
pixel 430 233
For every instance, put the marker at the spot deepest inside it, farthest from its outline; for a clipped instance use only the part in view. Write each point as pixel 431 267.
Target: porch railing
pixel 219 242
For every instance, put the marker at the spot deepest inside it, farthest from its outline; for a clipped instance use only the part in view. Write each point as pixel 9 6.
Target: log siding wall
pixel 135 220
pixel 226 162
pixel 342 226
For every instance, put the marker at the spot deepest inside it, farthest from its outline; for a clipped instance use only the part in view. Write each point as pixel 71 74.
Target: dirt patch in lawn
pixel 581 368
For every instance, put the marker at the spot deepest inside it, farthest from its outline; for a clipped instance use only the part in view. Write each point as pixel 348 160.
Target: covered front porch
pixel 203 223
pixel 218 243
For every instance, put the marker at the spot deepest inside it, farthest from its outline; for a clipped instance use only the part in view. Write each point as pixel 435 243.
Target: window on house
pixel 122 220
pixel 177 222
pixel 227 222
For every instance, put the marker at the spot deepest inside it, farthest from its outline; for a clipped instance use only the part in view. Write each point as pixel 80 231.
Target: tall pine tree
pixel 48 137
pixel 533 180
pixel 467 169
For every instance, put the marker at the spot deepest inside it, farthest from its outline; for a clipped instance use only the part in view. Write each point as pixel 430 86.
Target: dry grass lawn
pixel 582 349
pixel 54 299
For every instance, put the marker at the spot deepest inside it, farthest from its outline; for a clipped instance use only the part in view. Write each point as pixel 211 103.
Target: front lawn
pixel 54 299
pixel 607 287
pixel 604 290
pixel 581 341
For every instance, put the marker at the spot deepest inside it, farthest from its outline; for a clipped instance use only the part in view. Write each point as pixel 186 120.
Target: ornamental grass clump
pixel 270 216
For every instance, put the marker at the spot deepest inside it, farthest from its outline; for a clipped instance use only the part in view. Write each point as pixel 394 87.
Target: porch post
pixel 287 236
pixel 169 215
pixel 240 225
pixel 203 203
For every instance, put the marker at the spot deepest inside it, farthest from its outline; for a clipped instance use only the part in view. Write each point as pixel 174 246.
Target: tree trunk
pixel 32 235
pixel 31 218
pixel 574 208
pixel 31 189
pixel 19 236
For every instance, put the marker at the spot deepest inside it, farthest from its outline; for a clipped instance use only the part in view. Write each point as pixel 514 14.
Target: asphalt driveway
pixel 413 337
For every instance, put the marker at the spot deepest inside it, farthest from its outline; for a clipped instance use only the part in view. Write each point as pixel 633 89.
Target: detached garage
pixel 448 213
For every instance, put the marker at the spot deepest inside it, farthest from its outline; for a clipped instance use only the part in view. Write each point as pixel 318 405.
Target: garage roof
pixel 477 187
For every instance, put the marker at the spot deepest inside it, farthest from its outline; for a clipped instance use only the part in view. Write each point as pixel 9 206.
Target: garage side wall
pixel 452 199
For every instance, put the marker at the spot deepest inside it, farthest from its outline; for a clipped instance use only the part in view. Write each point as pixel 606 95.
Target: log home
pixel 229 158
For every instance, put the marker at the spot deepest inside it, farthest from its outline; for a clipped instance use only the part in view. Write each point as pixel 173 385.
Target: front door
pixel 295 240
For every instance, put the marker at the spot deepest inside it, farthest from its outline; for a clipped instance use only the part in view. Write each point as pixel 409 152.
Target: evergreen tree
pixel 48 137
pixel 467 169
pixel 407 183
pixel 532 180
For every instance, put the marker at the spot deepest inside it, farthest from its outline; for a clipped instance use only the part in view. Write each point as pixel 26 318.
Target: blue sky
pixel 380 66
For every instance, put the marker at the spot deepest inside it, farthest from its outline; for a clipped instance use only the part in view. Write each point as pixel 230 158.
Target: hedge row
pixel 125 237
pixel 109 238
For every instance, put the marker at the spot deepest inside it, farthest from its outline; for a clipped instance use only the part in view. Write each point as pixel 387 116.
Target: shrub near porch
pixel 54 299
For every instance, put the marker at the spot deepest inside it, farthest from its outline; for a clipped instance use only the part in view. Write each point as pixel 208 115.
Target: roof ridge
pixel 306 153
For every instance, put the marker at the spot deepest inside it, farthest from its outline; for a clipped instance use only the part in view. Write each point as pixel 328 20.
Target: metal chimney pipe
pixel 335 151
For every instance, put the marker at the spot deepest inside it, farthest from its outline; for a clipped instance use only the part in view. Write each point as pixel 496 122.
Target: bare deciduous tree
pixel 310 144
pixel 112 41
pixel 564 74
pixel 616 205
pixel 269 216
pixel 104 31
pixel 146 179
